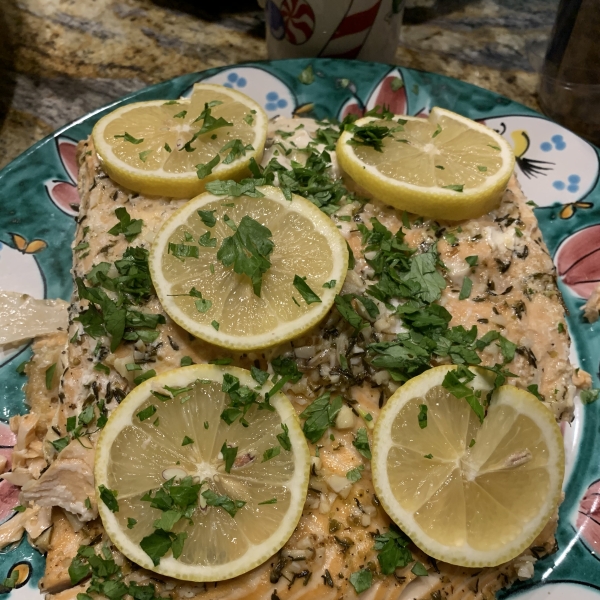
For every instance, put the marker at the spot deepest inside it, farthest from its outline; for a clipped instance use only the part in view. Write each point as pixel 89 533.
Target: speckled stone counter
pixel 60 59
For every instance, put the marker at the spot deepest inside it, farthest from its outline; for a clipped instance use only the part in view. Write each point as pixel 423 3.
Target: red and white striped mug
pixel 363 29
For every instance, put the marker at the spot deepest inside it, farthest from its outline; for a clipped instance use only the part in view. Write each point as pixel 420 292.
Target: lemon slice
pixel 306 244
pixel 154 147
pixel 471 503
pixel 444 167
pixel 141 448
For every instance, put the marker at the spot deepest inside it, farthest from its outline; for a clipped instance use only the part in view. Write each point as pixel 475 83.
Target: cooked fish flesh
pixel 514 292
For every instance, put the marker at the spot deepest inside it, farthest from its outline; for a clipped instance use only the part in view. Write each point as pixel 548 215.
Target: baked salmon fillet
pixel 514 293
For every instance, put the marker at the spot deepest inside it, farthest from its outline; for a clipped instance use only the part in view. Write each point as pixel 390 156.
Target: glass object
pixel 570 81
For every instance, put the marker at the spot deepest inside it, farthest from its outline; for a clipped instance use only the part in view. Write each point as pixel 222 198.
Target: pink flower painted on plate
pixel 9 494
pixel 578 261
pixel 64 194
pixel 389 92
pixel 588 517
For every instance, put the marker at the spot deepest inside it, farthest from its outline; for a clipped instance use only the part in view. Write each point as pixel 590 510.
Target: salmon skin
pixel 514 292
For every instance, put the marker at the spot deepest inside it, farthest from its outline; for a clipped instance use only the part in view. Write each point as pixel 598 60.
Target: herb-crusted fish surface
pixel 418 293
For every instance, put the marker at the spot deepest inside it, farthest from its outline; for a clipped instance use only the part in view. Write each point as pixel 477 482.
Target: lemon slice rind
pixel 525 403
pixel 284 330
pixel 429 201
pixel 297 484
pixel 158 182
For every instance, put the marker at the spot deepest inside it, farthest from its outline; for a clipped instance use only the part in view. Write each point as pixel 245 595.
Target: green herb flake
pixel 167 147
pixel 361 580
pixel 20 369
pixel 271 501
pixel 472 442
pixel 330 284
pixel 146 413
pixel 20 508
pixel 144 376
pixel 361 443
pixel 127 226
pixel 144 155
pixel 50 376
pixel 270 453
pixel 247 250
pixel 437 131
pixel 130 138
pixel 180 115
pixel 419 569
pixel 320 415
pixel 215 324
pixel 109 497
pixel 102 368
pixel 284 438
pixel 561 328
pixel 589 396
pixel 458 187
pixel 472 261
pixel 208 217
pixel 305 291
pixel 429 456
pixel 186 361
pixel 225 502
pixel 187 441
pixel 482 168
pixel 183 251
pixel 422 416
pixel 465 290
pixel 354 474
pixel 131 523
pixel 206 169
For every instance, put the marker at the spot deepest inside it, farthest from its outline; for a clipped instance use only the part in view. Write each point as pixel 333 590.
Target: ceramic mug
pixel 363 29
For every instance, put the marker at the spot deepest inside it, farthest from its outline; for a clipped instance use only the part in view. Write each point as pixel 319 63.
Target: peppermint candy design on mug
pixel 298 20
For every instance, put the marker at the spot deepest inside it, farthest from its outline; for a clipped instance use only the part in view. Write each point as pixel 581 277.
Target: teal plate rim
pixel 557 170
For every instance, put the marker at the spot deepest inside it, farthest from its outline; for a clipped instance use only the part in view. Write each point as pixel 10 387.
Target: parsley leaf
pixel 224 502
pixel 229 454
pixel 236 150
pixel 146 413
pixel 130 138
pixel 361 443
pixel 305 291
pixel 422 417
pixel 320 415
pixel 50 376
pixel 452 382
pixel 354 474
pixel 589 396
pixel 270 453
pixel 392 549
pixel 204 170
pixel 208 217
pixel 109 497
pixel 284 438
pixel 247 250
pixel 361 580
pixel 465 290
pixel 129 227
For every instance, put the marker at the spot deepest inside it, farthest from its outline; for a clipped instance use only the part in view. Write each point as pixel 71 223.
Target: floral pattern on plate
pixel 558 170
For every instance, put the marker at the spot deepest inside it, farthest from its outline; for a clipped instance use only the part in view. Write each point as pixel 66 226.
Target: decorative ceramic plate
pixel 557 170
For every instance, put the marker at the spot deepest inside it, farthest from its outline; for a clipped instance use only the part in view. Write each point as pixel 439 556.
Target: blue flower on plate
pixel 556 141
pixel 234 80
pixel 572 184
pixel 274 101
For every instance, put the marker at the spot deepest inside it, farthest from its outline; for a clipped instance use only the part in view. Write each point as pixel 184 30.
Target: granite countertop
pixel 60 59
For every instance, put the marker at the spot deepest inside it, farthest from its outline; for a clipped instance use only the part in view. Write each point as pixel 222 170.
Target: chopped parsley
pixel 456 187
pixel 472 261
pixel 225 502
pixel 270 453
pixel 236 150
pixel 129 138
pixel 305 291
pixel 465 290
pixel 361 443
pixel 247 250
pixel 229 454
pixel 183 251
pixel 109 497
pixel 144 155
pixel 320 415
pixel 354 474
pixel 329 284
pixel 284 438
pixel 187 441
pixel 204 170
pixel 208 217
pixel 392 550
pixel 50 376
pixel 422 416
pixel 361 580
pixel 533 389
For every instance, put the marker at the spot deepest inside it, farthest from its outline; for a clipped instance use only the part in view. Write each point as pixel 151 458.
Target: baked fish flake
pixel 512 292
